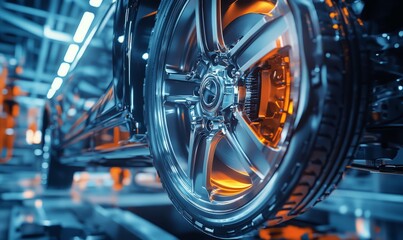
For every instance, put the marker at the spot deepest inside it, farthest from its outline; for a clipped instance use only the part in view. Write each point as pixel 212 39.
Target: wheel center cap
pixel 210 93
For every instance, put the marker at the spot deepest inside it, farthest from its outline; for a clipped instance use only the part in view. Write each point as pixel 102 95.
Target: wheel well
pixel 129 62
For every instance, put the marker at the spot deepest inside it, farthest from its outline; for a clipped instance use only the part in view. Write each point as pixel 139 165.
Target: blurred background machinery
pixel 37 46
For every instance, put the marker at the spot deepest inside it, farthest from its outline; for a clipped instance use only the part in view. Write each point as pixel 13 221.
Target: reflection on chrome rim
pixel 228 97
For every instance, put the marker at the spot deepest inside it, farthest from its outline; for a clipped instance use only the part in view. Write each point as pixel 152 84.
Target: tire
pixel 251 129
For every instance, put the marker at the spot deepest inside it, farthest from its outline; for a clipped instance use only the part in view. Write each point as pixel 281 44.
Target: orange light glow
pixel 346 12
pixel 333 15
pixel 275 99
pixel 291 108
pixel 6 119
pixel 329 3
pixel 239 8
pixel 362 228
pixel 288 232
pixel 335 26
pixel 229 185
pixel 19 70
pixel 28 194
pixel 121 177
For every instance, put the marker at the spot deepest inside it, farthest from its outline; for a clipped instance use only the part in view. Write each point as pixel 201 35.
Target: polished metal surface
pixel 224 157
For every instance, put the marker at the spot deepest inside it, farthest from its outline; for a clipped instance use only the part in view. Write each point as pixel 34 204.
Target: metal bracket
pixel 387 107
pixel 376 158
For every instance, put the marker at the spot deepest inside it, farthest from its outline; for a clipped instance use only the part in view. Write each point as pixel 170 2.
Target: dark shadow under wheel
pixel 54 175
pixel 253 108
pixel 59 176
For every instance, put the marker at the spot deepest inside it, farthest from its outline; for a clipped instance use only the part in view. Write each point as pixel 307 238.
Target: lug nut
pixel 216 59
pixel 231 71
pixel 210 125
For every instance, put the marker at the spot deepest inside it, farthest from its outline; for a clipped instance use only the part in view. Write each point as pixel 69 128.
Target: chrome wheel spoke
pixel 261 40
pixel 254 173
pixel 179 89
pixel 254 154
pixel 200 160
pixel 182 99
pixel 181 77
pixel 195 140
pixel 209 26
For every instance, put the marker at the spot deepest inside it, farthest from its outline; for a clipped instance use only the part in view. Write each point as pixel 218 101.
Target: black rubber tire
pixel 323 142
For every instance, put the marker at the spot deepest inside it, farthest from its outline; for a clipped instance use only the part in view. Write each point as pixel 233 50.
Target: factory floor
pixel 366 206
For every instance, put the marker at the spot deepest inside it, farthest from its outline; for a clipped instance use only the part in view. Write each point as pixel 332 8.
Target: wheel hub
pixel 210 93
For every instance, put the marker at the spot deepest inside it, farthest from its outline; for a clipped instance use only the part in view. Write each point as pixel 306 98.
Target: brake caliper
pixel 267 100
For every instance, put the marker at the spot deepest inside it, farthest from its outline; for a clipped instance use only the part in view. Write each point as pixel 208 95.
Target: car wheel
pixel 252 107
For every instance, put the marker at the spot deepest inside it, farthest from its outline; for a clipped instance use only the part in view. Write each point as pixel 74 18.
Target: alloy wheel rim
pixel 225 144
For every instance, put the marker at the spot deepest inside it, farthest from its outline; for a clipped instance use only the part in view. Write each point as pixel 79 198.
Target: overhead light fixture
pixel 83 27
pixel 95 3
pixel 37 137
pixel 51 93
pixel 121 38
pixel 144 56
pixel 71 53
pixel 71 112
pixel 63 69
pixel 57 83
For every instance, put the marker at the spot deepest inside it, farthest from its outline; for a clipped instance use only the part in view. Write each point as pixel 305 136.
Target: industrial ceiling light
pixel 71 53
pixel 121 38
pixel 57 83
pixel 73 49
pixel 63 69
pixel 144 56
pixel 83 27
pixel 95 3
pixel 51 93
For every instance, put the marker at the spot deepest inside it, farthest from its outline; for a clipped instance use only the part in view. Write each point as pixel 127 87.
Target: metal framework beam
pixel 41 89
pixel 7 48
pixel 29 76
pixel 44 46
pixel 34 28
pixel 37 12
pixel 67 8
pixel 7 29
pixel 30 101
